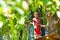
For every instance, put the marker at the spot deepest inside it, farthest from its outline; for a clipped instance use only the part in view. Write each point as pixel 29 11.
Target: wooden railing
pixel 50 37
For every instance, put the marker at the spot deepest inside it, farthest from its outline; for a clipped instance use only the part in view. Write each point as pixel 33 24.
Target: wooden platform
pixel 49 37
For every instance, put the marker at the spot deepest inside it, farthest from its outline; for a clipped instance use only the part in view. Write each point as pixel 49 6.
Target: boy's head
pixel 48 13
pixel 36 14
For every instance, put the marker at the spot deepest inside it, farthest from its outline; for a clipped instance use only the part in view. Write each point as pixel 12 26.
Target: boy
pixel 36 24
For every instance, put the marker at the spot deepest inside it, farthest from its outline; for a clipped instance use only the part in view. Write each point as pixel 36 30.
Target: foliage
pixel 14 14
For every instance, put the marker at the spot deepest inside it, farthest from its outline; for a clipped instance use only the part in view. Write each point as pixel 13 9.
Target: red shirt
pixel 36 22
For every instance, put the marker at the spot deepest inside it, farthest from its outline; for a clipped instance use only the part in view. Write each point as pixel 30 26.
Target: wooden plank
pixel 49 37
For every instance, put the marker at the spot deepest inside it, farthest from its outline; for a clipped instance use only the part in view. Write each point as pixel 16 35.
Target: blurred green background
pixel 15 16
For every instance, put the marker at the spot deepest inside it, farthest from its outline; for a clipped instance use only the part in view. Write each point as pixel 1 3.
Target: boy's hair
pixel 35 12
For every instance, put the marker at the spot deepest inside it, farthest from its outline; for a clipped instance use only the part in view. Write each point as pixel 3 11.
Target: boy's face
pixel 36 15
pixel 48 13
